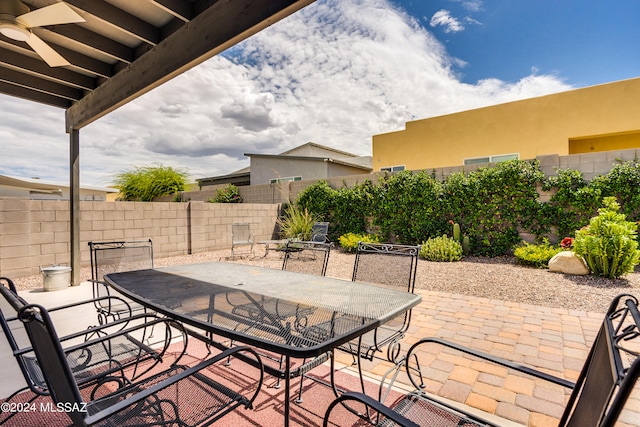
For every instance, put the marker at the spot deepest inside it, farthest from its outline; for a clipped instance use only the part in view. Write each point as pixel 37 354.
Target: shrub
pixel 492 205
pixel 408 207
pixel 297 223
pixel 573 201
pixel 441 249
pixel 608 244
pixel 536 255
pixel 148 182
pixel 349 241
pixel 228 194
pixel 317 198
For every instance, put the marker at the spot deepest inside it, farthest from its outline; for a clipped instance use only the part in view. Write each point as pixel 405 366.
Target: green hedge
pixel 492 205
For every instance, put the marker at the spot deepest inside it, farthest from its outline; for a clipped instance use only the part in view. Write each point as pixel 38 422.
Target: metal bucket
pixel 56 277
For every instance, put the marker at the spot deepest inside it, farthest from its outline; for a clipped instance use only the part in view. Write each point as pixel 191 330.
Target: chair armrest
pixel 488 357
pixel 99 333
pixel 100 336
pixel 371 403
pixel 108 298
pixel 92 301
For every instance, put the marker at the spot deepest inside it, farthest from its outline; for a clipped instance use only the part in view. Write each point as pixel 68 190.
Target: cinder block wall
pixel 590 164
pixel 35 233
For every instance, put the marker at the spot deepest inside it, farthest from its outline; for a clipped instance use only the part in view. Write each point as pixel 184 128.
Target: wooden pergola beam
pixel 217 28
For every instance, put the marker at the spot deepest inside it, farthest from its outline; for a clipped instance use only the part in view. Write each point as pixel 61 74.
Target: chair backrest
pixel 241 233
pixel 34 379
pixel 320 232
pixel 306 257
pixel 611 370
pixel 52 361
pixel 386 264
pixel 116 257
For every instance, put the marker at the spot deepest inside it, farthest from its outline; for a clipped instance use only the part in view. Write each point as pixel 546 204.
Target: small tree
pixel 227 194
pixel 608 243
pixel 148 182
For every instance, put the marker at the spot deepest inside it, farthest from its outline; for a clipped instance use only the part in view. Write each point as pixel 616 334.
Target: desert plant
pixel 297 223
pixel 456 231
pixel 458 237
pixel 441 249
pixel 608 244
pixel 537 255
pixel 349 241
pixel 227 194
pixel 148 182
pixel 466 244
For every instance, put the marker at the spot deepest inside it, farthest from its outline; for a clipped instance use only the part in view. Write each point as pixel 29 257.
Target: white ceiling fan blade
pixel 58 13
pixel 46 52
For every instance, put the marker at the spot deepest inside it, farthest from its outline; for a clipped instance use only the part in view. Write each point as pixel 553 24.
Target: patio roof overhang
pixel 122 50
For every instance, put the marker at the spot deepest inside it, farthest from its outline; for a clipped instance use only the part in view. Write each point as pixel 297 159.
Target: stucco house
pixel 305 162
pixel 37 189
pixel 588 120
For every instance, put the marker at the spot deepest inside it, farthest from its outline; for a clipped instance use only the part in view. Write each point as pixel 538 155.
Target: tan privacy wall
pixel 35 233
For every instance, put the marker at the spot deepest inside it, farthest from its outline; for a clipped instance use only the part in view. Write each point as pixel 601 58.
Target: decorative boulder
pixel 568 262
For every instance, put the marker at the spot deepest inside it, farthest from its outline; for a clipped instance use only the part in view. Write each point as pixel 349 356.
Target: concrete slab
pixel 66 321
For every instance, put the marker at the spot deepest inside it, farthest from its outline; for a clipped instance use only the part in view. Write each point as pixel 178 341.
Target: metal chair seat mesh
pixel 197 396
pixel 427 413
pixel 96 360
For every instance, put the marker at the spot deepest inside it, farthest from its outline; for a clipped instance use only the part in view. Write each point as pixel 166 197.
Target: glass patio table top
pixel 293 314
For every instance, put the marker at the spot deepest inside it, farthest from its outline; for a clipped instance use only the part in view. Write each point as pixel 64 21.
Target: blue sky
pixel 582 42
pixel 336 73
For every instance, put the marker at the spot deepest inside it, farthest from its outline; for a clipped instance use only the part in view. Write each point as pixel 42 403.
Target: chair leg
pixel 299 399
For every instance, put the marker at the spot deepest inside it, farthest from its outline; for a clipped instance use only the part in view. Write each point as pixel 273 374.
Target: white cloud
pixel 335 73
pixel 473 5
pixel 443 18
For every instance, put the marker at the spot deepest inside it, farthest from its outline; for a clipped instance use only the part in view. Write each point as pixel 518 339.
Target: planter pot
pixel 56 277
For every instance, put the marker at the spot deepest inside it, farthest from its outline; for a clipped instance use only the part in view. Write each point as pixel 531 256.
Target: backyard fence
pixel 35 233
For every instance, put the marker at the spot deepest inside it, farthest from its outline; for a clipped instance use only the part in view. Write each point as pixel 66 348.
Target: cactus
pixel 465 244
pixel 456 232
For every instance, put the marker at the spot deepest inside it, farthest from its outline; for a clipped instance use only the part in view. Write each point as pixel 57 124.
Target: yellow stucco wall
pixel 597 118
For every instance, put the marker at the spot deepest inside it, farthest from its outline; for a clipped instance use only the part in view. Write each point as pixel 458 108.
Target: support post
pixel 74 204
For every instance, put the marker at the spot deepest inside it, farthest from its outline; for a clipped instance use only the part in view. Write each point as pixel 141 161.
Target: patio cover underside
pixel 123 50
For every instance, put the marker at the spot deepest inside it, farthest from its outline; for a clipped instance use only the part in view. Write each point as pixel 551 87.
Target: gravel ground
pixel 496 278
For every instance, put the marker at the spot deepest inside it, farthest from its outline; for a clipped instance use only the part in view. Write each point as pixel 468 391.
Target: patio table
pixel 205 295
pixel 266 244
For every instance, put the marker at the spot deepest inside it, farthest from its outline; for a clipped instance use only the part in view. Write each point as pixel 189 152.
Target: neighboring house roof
pixel 39 186
pixel 317 159
pixel 312 148
pixel 241 177
pixel 309 152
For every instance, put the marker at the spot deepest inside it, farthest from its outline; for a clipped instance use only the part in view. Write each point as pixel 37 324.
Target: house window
pixel 285 179
pixel 392 169
pixel 491 159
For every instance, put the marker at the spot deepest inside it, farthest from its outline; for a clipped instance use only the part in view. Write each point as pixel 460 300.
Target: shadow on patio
pixel 552 339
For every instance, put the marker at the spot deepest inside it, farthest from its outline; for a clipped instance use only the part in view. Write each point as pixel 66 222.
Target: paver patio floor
pixel 552 339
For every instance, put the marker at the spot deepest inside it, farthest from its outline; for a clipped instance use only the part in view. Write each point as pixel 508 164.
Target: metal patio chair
pixel 116 352
pixel 176 395
pixel 382 264
pixel 388 265
pixel 320 232
pixel 597 398
pixel 115 257
pixel 300 257
pixel 241 235
pixel 306 257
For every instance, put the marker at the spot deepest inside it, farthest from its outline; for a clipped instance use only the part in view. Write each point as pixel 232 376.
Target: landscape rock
pixel 568 262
